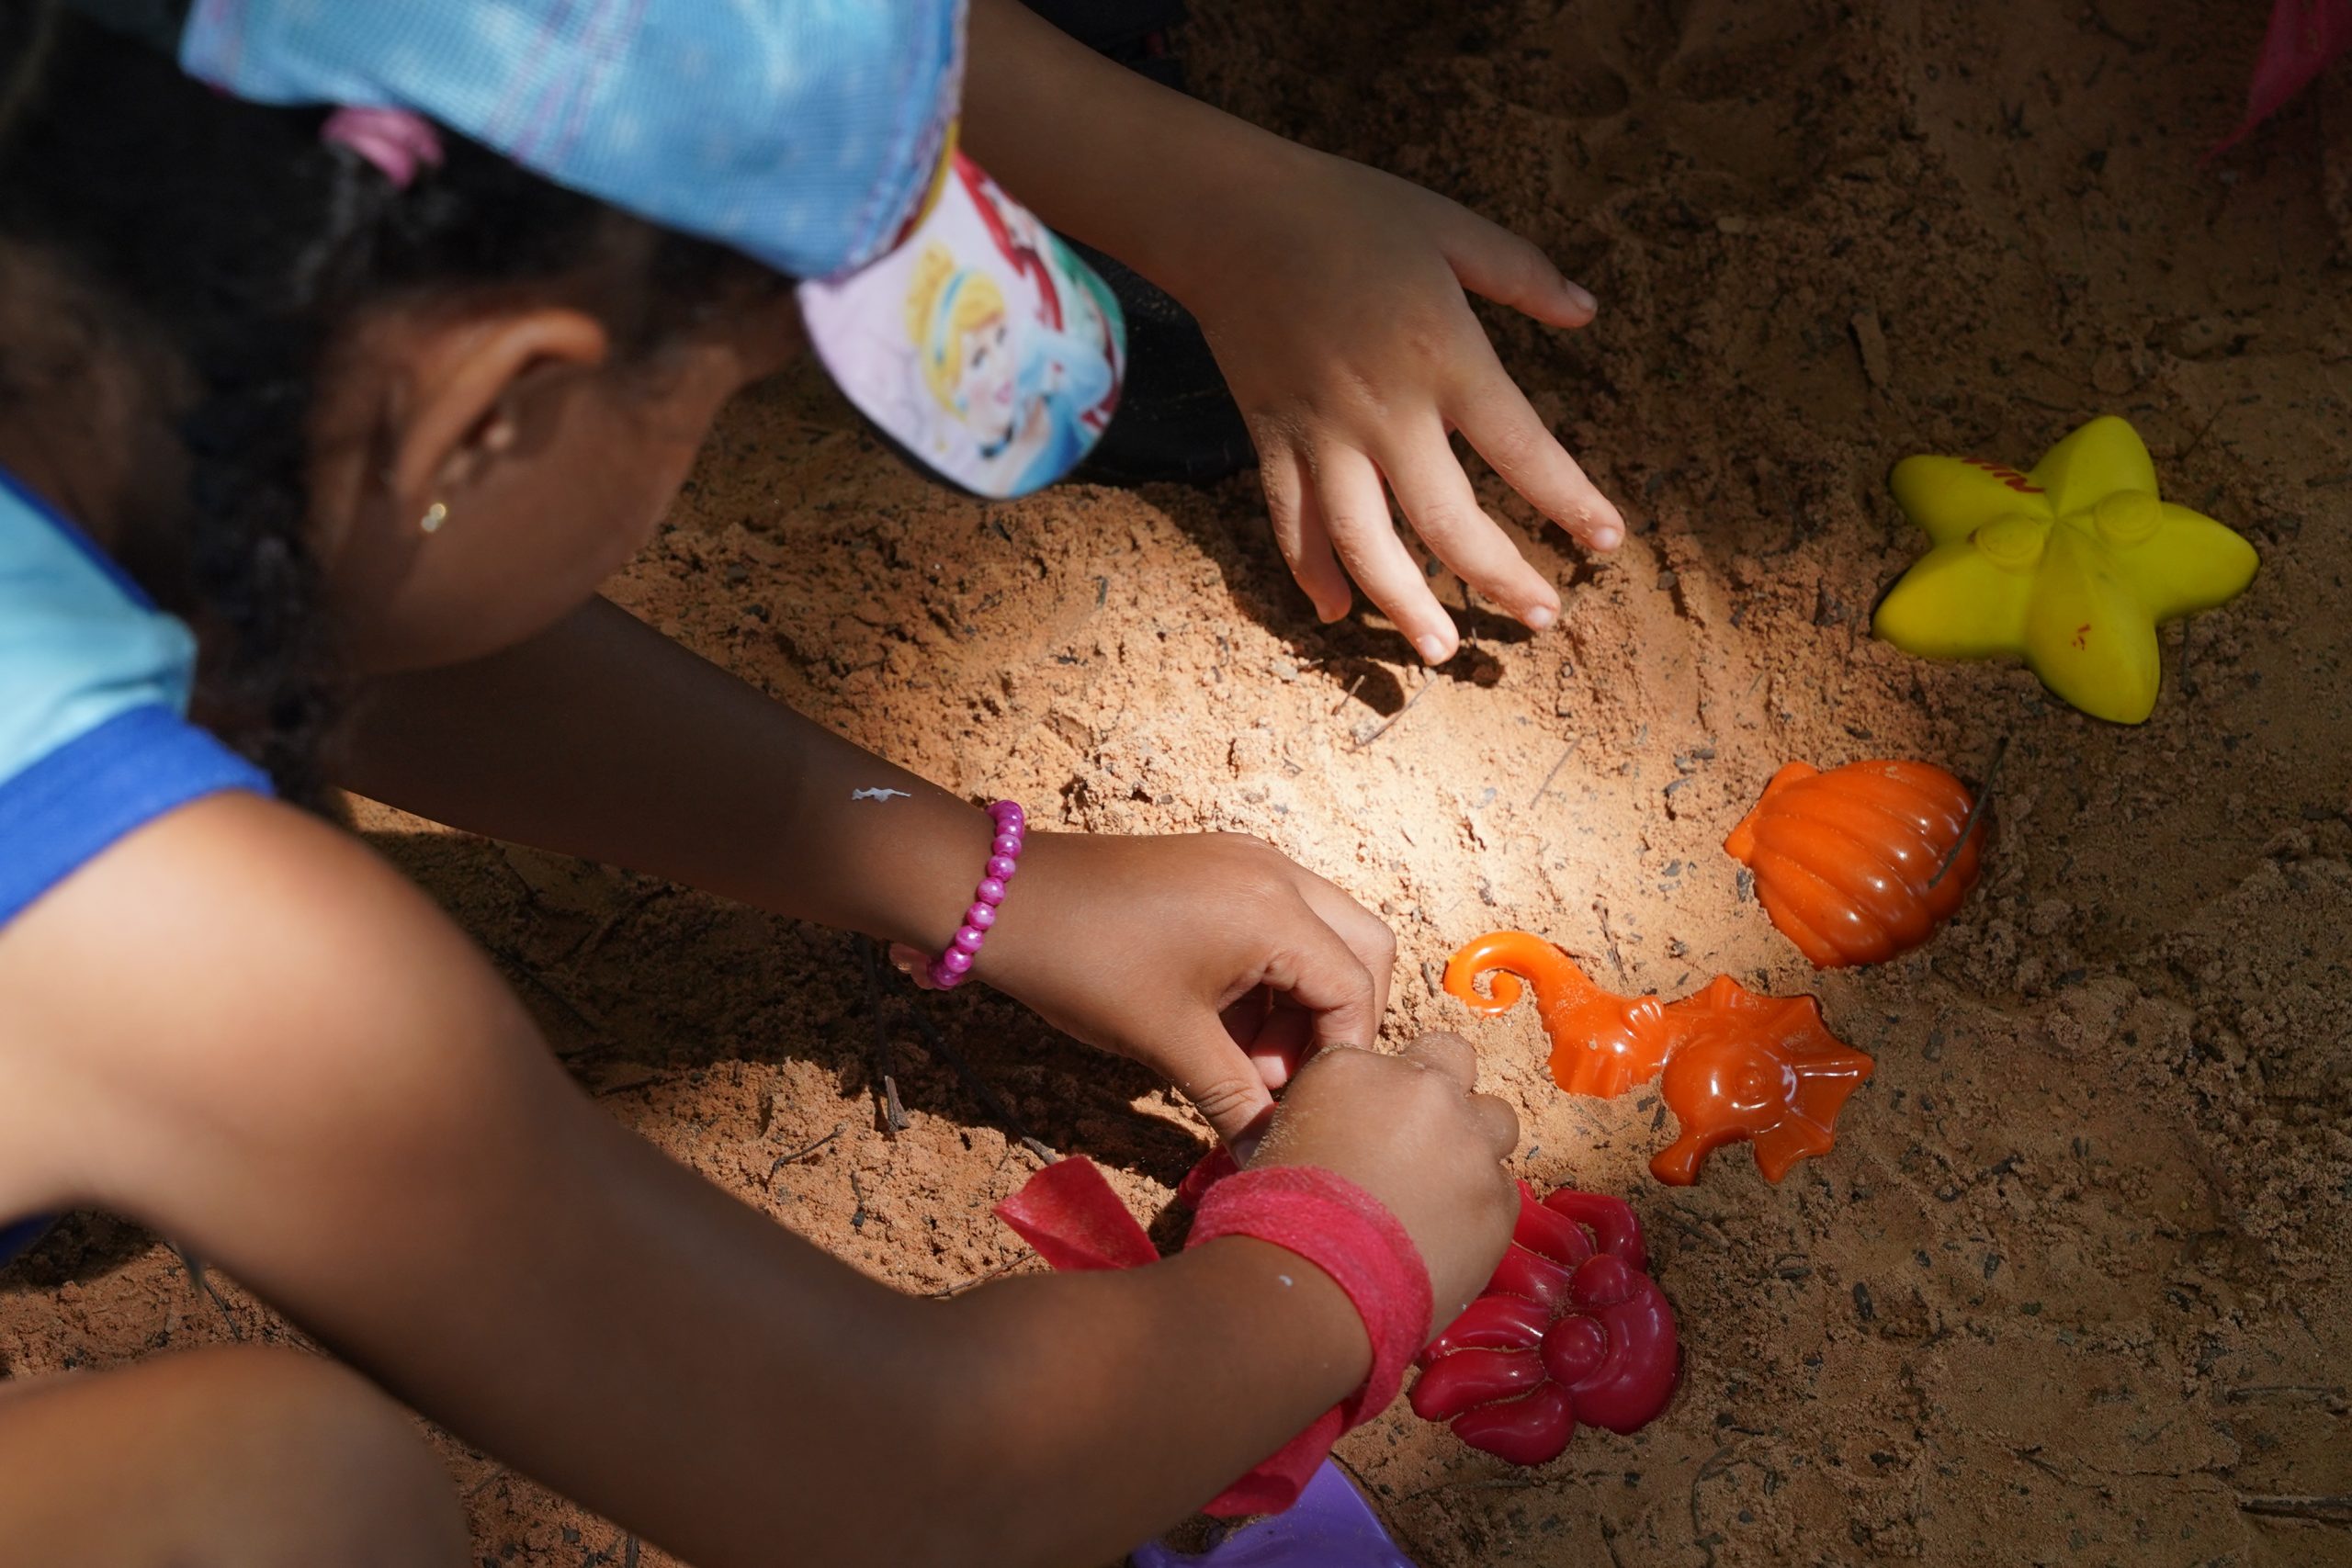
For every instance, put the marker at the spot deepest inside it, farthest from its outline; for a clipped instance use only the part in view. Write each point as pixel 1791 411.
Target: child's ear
pixel 481 386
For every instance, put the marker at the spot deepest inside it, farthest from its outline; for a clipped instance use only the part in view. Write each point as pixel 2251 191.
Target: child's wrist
pixel 1009 827
pixel 1197 235
pixel 1267 1284
pixel 1337 1229
pixel 920 896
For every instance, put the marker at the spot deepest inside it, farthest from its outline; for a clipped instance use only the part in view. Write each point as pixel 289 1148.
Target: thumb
pixel 1493 262
pixel 1222 1082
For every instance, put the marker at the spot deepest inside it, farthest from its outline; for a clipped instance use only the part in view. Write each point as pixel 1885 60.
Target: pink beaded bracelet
pixel 948 970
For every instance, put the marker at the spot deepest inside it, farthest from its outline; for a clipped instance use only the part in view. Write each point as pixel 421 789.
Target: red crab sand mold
pixel 1570 1329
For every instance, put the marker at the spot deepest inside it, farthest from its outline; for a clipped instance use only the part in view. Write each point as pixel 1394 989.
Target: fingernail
pixel 1607 538
pixel 1541 617
pixel 1583 298
pixel 1432 648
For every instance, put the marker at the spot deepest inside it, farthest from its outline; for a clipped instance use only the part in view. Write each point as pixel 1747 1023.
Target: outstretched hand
pixel 1336 308
pixel 1210 958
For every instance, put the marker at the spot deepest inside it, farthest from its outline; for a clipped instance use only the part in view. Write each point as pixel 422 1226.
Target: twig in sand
pixel 1390 722
pixel 1311 721
pixel 1007 1267
pixel 620 918
pixel 626 1546
pixel 201 1278
pixel 1706 1540
pixel 886 1087
pixel 981 1090
pixel 1975 813
pixel 1616 955
pixel 2321 1510
pixel 805 1150
pixel 1542 789
pixel 579 1010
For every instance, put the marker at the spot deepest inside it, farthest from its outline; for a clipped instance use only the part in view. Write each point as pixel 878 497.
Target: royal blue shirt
pixel 94 740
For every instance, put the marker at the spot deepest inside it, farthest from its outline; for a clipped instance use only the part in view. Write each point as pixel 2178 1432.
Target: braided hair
pixel 230 234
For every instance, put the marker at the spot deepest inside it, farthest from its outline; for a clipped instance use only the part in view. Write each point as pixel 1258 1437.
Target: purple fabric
pixel 1331 1526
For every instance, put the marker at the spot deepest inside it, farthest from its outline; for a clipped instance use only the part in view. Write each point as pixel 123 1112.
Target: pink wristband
pixel 949 969
pixel 1342 1229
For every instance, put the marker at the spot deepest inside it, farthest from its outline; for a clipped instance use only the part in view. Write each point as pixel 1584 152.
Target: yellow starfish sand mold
pixel 2072 566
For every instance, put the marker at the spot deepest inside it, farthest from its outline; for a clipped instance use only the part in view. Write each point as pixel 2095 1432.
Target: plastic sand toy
pixel 1861 863
pixel 1737 1065
pixel 1331 1526
pixel 1762 1068
pixel 2304 39
pixel 1602 1044
pixel 1570 1329
pixel 2072 566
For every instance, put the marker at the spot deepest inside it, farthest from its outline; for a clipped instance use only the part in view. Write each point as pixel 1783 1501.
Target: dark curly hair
pixel 230 234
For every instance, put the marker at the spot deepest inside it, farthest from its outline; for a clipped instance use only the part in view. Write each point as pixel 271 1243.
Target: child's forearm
pixel 603 739
pixel 244 1029
pixel 1065 1380
pixel 1156 178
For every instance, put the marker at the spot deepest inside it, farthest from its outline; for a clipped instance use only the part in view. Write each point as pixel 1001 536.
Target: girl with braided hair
pixel 344 350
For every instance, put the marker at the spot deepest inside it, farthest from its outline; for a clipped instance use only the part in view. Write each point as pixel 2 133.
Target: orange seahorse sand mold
pixel 1737 1065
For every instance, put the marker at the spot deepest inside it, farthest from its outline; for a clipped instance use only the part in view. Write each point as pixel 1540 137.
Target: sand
pixel 2072 1286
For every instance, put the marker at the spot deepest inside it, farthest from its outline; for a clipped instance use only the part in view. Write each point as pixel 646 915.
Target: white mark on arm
pixel 879 793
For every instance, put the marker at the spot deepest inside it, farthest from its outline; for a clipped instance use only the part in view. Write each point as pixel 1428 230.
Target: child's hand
pixel 1336 309
pixel 1162 949
pixel 1411 1130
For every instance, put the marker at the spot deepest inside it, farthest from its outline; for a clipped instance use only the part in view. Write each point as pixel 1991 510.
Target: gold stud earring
pixel 435 515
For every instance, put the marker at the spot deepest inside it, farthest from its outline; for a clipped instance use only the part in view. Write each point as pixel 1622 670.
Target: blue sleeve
pixel 94 691
pixel 68 806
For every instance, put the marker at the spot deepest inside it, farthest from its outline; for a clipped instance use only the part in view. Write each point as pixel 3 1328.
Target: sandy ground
pixel 2072 1286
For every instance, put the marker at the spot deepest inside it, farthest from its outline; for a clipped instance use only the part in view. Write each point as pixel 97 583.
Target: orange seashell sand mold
pixel 1861 863
pixel 1737 1065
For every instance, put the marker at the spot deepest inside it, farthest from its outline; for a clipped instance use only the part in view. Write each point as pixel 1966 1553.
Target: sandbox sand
pixel 2072 1288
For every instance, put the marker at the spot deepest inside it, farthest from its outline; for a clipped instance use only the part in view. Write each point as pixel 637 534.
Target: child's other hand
pixel 1412 1131
pixel 1210 958
pixel 1334 302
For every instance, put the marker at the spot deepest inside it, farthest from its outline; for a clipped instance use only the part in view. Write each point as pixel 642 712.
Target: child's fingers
pixel 1322 974
pixel 913 963
pixel 1298 530
pixel 1494 262
pixel 1442 1050
pixel 1355 513
pixel 1223 1085
pixel 1436 498
pixel 1282 1043
pixel 1498 421
pixel 1366 934
pixel 1496 1121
